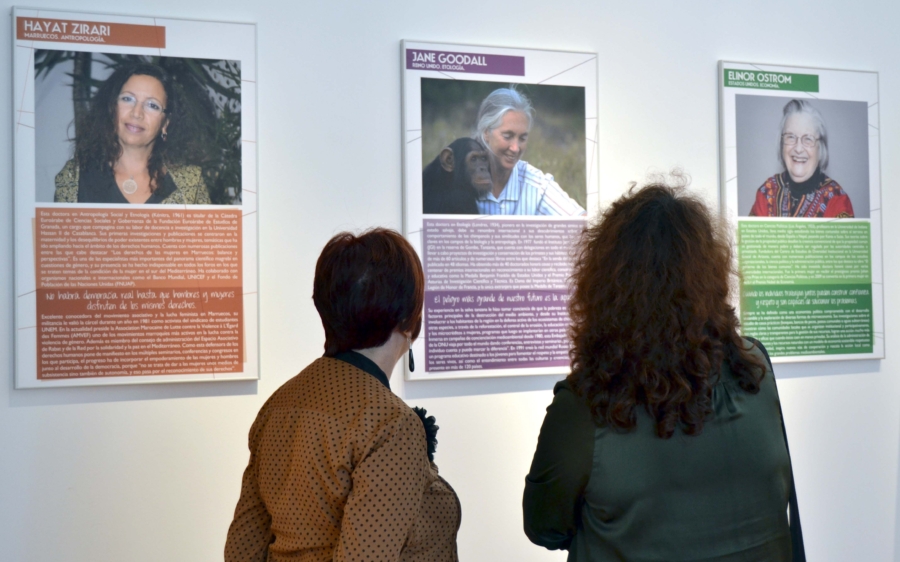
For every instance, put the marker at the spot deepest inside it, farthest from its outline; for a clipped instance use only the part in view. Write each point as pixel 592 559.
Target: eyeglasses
pixel 790 139
pixel 150 106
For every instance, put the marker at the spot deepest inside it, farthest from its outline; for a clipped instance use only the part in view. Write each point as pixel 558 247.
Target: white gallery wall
pixel 150 473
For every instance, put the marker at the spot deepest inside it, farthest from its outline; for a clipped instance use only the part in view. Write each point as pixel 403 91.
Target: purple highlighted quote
pixel 473 63
pixel 467 330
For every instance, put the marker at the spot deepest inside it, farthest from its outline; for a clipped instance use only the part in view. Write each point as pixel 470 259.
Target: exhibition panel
pixel 113 115
pixel 800 175
pixel 494 223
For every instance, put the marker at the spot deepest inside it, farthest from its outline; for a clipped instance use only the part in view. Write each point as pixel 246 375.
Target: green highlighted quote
pixel 807 286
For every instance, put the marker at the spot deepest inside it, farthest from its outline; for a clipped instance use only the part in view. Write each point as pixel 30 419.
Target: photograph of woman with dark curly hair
pixel 149 133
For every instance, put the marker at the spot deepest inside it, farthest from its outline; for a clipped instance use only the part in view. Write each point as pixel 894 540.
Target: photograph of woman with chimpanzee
pixel 502 149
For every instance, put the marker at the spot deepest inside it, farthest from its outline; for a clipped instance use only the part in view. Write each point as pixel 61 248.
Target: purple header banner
pixel 474 63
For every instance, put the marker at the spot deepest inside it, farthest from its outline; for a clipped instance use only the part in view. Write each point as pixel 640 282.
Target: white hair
pixel 496 105
pixel 802 106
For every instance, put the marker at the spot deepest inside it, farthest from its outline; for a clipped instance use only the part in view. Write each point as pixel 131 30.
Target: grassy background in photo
pixel 556 143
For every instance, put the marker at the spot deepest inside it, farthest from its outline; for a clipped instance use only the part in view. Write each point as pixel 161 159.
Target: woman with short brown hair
pixel 340 467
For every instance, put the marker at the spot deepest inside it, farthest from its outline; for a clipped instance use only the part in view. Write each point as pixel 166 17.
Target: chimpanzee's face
pixel 479 170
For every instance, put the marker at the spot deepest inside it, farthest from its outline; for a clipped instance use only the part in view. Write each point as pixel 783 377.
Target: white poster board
pixel 161 287
pixel 497 256
pixel 800 177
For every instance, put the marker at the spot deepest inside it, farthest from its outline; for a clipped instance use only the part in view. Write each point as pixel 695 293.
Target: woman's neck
pixel 807 186
pixel 134 161
pixel 387 354
pixel 500 177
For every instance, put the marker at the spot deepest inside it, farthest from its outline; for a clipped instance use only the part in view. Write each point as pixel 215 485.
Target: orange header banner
pixel 91 32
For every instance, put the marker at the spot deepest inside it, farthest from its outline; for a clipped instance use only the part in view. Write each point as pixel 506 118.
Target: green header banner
pixel 765 80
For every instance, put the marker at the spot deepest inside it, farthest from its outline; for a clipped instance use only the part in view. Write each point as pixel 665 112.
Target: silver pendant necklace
pixel 129 186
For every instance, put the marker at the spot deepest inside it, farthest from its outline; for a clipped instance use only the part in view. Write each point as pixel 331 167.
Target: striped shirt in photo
pixel 530 191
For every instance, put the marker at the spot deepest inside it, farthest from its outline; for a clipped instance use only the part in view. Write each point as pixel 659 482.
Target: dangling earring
pixel 412 362
pixel 164 136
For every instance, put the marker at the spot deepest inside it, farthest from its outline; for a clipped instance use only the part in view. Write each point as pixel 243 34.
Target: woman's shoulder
pixel 191 189
pixel 68 173
pixel 571 405
pixel 831 185
pixel 70 167
pixel 67 183
pixel 535 177
pixel 771 184
pixel 563 390
pixel 338 386
pixel 532 172
pixel 759 351
pixel 350 406
pixel 755 346
pixel 185 175
pixel 731 403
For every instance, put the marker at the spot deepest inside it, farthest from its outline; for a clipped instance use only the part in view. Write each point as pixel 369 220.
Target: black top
pixel 605 494
pixel 99 186
pixel 802 188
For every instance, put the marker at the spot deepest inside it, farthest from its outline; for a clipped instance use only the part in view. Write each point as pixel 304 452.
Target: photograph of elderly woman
pixel 802 158
pixel 113 128
pixel 503 149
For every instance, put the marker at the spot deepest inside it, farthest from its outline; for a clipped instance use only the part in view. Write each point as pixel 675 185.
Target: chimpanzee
pixel 455 178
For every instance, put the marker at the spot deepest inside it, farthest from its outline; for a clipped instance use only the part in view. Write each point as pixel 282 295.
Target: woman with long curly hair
pixel 665 441
pixel 132 145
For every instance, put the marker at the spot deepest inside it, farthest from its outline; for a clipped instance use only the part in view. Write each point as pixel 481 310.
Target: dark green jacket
pixel 610 495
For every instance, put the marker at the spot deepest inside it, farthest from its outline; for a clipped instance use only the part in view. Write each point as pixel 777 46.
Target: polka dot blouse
pixel 338 471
